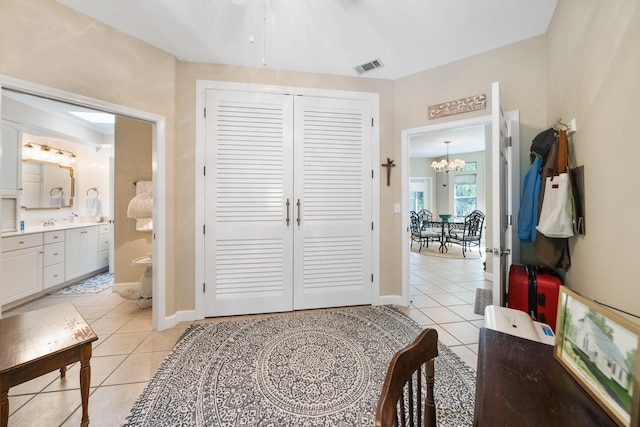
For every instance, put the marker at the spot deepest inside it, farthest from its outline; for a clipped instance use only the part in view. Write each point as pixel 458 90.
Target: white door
pixel 502 212
pixel 332 149
pixel 249 206
pixel 288 202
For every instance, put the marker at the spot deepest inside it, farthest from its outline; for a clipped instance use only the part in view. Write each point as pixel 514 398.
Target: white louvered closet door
pixel 249 176
pixel 332 151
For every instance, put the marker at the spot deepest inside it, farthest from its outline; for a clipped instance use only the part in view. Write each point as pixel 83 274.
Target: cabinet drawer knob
pixel 21 243
pixel 55 253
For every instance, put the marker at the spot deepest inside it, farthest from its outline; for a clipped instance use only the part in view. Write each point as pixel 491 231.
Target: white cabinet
pixel 34 262
pixel 11 156
pixel 81 251
pixel 53 272
pixel 104 237
pixel 22 258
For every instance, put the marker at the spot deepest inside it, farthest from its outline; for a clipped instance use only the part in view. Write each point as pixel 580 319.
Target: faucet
pixel 50 221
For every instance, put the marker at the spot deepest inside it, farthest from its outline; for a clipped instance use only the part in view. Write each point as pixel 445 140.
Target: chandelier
pixel 445 166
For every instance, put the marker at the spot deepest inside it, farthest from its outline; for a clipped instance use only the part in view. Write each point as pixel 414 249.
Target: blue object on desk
pixel 445 217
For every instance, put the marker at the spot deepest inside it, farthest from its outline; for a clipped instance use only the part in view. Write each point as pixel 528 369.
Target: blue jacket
pixel 528 215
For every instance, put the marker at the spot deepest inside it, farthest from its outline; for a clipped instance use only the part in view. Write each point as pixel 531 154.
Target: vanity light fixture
pixel 44 152
pixel 27 150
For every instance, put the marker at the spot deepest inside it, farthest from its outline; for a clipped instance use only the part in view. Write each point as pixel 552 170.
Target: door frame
pixel 159 317
pixel 200 155
pixel 406 135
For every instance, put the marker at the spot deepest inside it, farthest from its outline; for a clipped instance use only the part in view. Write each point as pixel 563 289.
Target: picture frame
pixel 599 349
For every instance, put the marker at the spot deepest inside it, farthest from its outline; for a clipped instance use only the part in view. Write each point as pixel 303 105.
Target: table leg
pixel 85 382
pixel 4 406
pixel 4 401
pixel 63 372
pixel 443 240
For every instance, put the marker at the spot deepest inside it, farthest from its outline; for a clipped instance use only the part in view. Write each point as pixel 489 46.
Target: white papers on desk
pixel 518 323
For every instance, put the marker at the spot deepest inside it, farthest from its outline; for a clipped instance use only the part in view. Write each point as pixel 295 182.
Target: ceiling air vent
pixel 365 68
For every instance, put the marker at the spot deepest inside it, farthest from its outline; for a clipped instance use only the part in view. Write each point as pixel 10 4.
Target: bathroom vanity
pixel 41 259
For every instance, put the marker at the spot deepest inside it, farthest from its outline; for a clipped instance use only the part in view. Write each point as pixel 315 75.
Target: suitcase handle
pixel 542 299
pixel 533 292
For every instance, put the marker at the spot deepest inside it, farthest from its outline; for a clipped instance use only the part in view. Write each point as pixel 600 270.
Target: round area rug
pixel 318 368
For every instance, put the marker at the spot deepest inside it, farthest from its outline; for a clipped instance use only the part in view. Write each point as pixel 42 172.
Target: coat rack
pixel 571 128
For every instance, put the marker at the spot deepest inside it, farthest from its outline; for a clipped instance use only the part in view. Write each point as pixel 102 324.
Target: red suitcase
pixel 534 290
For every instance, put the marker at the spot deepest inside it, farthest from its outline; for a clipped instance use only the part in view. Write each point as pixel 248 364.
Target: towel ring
pixel 54 189
pixel 93 189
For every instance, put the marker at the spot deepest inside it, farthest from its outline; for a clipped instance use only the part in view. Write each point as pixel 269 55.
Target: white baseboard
pixel 179 316
pixel 390 300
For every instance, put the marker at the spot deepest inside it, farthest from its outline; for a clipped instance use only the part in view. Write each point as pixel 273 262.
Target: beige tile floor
pixel 442 294
pixel 129 351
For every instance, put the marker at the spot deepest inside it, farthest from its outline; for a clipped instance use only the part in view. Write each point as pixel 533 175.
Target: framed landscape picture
pixel 599 348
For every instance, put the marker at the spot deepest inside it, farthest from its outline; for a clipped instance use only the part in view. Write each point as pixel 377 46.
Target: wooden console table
pixel 41 341
pixel 519 383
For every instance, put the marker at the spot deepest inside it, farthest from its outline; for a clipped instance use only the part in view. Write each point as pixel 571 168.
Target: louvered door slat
pixel 250 249
pixel 332 141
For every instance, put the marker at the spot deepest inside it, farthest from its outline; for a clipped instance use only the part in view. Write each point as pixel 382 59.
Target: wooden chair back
pixel 406 398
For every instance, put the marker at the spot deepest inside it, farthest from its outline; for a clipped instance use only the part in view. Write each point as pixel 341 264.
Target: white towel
pixel 56 201
pixel 94 206
pixel 144 224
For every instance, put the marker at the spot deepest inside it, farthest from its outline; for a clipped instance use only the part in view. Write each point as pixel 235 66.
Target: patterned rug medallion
pixel 317 368
pixel 92 285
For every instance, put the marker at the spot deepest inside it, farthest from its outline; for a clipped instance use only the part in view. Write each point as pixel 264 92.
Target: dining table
pixel 446 224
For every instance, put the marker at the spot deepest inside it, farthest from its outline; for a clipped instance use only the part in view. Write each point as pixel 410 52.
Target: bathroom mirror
pixel 46 185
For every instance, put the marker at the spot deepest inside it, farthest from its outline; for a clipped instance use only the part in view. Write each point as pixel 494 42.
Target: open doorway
pixel 157 141
pixel 96 152
pixel 451 193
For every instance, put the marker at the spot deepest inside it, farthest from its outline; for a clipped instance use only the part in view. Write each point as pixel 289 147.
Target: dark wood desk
pixel 519 383
pixel 38 342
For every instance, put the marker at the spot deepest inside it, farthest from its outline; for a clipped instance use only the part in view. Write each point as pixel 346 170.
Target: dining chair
pixel 470 234
pixel 407 398
pixel 429 231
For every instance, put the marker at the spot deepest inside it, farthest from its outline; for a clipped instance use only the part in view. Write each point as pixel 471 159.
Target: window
pixel 417 201
pixel 465 194
pixel 470 166
pixel 419 194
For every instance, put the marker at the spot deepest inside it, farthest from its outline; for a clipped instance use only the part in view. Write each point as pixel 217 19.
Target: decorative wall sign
pixel 462 105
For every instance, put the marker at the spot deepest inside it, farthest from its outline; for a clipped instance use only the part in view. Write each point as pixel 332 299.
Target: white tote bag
pixel 556 215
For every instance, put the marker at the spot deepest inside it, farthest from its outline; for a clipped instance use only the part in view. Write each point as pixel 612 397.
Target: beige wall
pixel 132 163
pixel 594 76
pixel 521 70
pixel 44 42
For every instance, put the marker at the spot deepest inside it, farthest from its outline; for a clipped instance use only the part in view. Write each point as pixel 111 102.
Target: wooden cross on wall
pixel 389 165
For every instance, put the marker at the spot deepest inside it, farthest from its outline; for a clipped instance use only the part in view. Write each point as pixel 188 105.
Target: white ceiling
pixel 325 36
pixel 467 139
pixel 60 109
